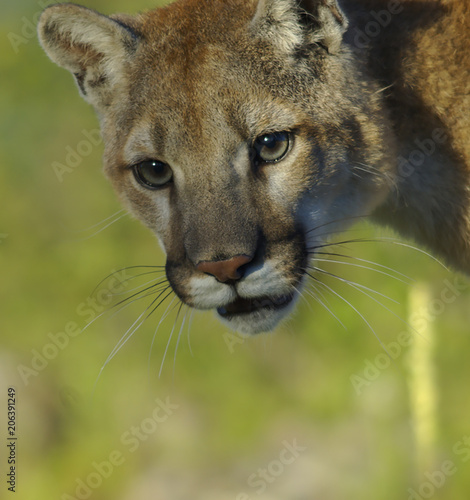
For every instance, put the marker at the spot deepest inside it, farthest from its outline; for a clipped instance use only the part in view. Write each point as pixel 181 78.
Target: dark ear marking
pixel 80 79
pixel 332 5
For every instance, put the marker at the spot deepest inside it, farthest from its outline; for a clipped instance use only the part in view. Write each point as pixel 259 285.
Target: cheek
pixel 287 180
pixel 283 188
pixel 152 208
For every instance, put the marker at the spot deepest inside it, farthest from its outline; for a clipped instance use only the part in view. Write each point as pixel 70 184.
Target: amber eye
pixel 270 148
pixel 153 174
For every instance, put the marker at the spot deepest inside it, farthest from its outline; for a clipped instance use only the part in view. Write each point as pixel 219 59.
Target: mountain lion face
pixel 242 133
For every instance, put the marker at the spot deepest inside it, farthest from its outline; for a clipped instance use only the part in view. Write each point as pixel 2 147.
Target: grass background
pixel 238 401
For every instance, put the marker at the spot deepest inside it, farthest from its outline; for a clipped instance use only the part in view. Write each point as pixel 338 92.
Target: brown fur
pixel 194 84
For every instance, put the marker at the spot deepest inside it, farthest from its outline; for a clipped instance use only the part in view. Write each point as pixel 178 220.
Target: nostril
pixel 225 270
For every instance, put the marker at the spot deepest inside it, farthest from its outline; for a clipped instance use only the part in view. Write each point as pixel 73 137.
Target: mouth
pixel 244 307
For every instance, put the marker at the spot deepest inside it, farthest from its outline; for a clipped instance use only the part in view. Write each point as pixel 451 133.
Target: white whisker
pixel 179 337
pixel 360 267
pixel 163 317
pixel 159 280
pixel 103 228
pixel 190 322
pixel 317 299
pixel 104 221
pixel 158 269
pixel 128 335
pixel 352 282
pixel 169 341
pixel 354 309
pixel 368 262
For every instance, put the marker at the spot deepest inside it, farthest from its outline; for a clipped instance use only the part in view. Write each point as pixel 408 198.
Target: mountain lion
pixel 245 133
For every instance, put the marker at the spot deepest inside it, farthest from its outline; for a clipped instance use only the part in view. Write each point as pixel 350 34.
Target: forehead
pixel 199 104
pixel 198 82
pixel 196 50
pixel 190 21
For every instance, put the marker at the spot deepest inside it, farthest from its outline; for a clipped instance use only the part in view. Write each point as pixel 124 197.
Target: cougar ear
pixel 93 47
pixel 292 24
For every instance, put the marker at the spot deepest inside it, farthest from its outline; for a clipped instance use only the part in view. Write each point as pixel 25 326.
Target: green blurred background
pixel 236 402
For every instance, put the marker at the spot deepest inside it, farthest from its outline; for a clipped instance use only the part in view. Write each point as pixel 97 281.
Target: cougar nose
pixel 225 270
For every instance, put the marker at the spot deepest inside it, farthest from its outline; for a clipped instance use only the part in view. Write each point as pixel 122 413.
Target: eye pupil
pixel 270 148
pixel 153 174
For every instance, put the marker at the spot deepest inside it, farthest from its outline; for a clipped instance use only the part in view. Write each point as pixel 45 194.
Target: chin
pixel 259 315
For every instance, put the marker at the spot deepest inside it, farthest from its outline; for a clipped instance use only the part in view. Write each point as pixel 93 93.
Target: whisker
pixel 337 231
pixel 159 280
pixel 384 89
pixel 123 301
pixel 157 269
pixel 128 334
pixel 152 293
pixel 317 299
pixel 369 169
pixel 378 240
pixel 124 339
pixel 336 221
pixel 416 249
pixel 179 338
pixel 362 288
pixel 191 316
pixel 339 243
pixel 164 315
pixel 103 221
pixel 104 227
pixel 353 282
pixel 301 296
pixel 320 292
pixel 389 310
pixel 361 267
pixel 359 287
pixel 169 340
pixel 411 280
pixel 353 308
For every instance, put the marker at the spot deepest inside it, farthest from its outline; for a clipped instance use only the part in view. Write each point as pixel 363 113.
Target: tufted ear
pixel 292 24
pixel 93 47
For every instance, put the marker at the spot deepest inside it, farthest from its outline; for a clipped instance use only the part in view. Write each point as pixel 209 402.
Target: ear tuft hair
pixel 291 24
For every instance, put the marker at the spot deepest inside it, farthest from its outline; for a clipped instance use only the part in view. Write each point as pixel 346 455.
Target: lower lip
pixel 264 303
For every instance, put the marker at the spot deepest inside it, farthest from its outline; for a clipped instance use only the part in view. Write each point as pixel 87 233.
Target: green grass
pixel 236 407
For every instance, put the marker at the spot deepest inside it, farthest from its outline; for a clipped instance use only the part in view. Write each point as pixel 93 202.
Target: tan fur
pixel 377 126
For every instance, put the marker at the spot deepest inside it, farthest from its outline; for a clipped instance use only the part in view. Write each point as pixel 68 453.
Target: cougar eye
pixel 270 148
pixel 153 174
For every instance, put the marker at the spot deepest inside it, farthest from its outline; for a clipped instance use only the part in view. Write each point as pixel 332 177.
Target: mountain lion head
pixel 241 132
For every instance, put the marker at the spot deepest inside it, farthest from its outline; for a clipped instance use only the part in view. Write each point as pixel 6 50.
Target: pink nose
pixel 224 270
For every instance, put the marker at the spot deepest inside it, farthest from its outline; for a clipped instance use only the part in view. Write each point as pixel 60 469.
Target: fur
pixel 374 97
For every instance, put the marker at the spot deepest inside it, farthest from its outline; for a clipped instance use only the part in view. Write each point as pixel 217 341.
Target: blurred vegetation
pixel 238 400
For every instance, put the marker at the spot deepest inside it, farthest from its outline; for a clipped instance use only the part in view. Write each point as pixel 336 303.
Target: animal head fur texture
pixel 195 91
